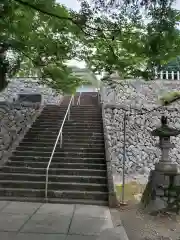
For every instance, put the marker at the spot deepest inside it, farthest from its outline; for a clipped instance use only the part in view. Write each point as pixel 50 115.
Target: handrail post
pixel 68 114
pixel 61 140
pixel 79 99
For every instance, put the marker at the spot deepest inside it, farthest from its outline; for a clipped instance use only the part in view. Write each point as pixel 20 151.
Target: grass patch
pixel 131 190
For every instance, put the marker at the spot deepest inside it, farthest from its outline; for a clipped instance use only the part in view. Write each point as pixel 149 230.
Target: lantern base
pixel 167 167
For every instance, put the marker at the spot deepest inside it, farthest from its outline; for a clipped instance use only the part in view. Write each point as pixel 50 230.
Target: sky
pixel 177 5
pixel 73 4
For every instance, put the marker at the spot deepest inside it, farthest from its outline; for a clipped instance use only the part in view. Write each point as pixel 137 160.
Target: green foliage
pixel 132 37
pixel 173 65
pixel 35 43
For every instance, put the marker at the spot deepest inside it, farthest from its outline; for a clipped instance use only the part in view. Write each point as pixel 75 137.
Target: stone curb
pixel 112 193
pixel 118 226
pixel 116 233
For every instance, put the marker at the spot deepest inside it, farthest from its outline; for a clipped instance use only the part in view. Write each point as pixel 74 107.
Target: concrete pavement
pixel 37 221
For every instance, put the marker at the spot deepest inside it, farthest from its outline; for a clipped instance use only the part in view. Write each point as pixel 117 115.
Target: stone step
pixel 38 193
pixel 71 122
pixel 65 144
pixel 53 113
pixel 55 110
pixel 77 172
pixel 70 139
pixel 55 200
pixel 50 118
pixel 57 123
pixel 55 127
pixel 77 159
pixel 61 150
pixel 65 129
pixel 59 165
pixel 68 122
pixel 74 111
pixel 72 117
pixel 63 171
pixel 53 185
pixel 53 178
pixel 60 154
pixel 79 120
pixel 67 133
pixel 76 107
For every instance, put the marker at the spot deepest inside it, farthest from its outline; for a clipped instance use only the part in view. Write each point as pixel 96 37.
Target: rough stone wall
pixel 16 119
pixel 29 85
pixel 141 152
pixel 14 123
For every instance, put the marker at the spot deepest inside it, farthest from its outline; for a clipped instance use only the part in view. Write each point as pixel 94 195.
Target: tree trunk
pixel 3 82
pixel 3 67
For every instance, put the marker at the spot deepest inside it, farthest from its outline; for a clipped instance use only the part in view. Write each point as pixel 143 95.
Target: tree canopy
pixel 173 65
pixel 131 37
pixel 37 43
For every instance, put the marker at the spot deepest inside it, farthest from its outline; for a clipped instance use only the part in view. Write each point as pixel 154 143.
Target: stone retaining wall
pixel 141 152
pixel 16 119
pixel 30 85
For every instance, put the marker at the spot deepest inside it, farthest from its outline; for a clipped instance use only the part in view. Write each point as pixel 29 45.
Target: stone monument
pixel 162 191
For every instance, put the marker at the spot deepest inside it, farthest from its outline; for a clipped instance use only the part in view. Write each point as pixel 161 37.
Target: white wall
pixel 86 89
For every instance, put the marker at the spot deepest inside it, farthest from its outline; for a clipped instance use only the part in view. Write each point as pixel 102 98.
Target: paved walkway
pixel 36 221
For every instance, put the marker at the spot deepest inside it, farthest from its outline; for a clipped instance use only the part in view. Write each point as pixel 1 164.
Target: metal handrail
pixel 79 99
pixel 55 145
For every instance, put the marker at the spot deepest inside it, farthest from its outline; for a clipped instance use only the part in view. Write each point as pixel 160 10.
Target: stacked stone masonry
pixel 141 150
pixel 15 119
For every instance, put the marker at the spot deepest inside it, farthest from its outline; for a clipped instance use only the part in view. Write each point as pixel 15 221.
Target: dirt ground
pixel 140 225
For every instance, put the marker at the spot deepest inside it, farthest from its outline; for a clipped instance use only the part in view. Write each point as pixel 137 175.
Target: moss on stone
pixel 170 97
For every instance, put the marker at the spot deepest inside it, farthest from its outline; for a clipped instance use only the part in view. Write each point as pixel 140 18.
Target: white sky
pixel 73 4
pixel 70 4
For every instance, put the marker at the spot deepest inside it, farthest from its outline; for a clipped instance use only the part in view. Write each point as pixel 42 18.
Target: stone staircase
pixel 77 173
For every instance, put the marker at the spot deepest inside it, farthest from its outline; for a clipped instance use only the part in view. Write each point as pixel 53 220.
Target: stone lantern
pixel 160 194
pixel 164 133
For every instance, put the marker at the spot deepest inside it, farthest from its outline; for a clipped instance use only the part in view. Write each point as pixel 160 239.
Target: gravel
pixel 141 226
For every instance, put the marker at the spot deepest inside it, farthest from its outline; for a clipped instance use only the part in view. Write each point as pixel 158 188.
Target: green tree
pixel 34 42
pixel 173 65
pixel 133 38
